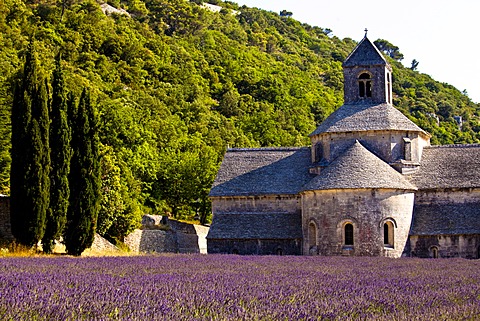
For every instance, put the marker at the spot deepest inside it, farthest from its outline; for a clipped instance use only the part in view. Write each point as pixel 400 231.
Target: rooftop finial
pixel 366 30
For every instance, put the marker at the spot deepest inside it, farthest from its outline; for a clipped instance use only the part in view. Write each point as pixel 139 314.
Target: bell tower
pixel 367 75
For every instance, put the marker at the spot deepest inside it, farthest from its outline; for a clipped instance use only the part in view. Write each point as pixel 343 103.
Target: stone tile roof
pixel 256 226
pixel 448 166
pixel 358 168
pixel 444 219
pixel 365 53
pixel 363 117
pixel 262 171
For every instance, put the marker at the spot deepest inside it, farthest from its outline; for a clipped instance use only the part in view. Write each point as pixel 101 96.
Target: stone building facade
pixel 370 184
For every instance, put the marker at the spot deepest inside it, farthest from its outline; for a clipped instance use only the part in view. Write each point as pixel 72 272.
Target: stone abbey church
pixel 369 185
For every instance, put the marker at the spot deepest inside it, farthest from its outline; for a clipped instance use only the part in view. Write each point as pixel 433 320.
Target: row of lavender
pixel 215 287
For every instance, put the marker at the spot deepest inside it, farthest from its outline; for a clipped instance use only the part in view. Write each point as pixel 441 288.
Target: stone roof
pixel 256 226
pixel 365 53
pixel 358 168
pixel 262 171
pixel 365 117
pixel 448 166
pixel 446 219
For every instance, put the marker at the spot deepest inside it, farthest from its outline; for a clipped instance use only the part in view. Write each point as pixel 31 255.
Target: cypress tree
pixel 84 179
pixel 30 155
pixel 61 152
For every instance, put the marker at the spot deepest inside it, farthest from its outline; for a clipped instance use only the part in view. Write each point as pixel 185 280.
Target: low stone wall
pixel 181 238
pixel 103 245
pixel 149 241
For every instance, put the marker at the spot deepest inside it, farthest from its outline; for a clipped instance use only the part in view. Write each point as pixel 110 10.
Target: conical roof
pixel 366 53
pixel 358 168
pixel 363 117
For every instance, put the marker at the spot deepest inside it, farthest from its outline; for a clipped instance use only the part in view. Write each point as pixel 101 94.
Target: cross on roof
pixel 366 30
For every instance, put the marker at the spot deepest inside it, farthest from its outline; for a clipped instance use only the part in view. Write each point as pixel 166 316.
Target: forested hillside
pixel 176 84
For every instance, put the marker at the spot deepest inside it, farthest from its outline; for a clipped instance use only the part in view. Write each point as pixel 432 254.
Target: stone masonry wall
pixel 367 210
pixel 454 245
pixel 181 238
pixel 148 241
pixel 379 83
pixel 388 145
pixel 447 196
pixel 447 246
pixel 267 203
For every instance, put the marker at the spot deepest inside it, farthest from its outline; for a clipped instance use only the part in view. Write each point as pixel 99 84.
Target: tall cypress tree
pixel 30 154
pixel 84 179
pixel 61 152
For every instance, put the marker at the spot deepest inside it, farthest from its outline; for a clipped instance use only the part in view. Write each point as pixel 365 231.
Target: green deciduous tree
pixel 185 177
pixel 389 49
pixel 61 152
pixel 84 179
pixel 112 205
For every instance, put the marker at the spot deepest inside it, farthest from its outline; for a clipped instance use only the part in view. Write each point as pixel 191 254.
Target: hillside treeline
pixel 176 84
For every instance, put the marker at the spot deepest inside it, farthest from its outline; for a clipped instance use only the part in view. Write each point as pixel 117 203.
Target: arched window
pixel 388 234
pixel 348 234
pixel 279 251
pixel 364 85
pixel 434 252
pixel 312 235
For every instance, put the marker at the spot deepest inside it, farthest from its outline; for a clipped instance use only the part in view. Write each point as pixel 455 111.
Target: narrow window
pixel 279 251
pixel 369 89
pixel 312 235
pixel 348 234
pixel 389 88
pixel 385 234
pixel 434 252
pixel 319 152
pixel 234 251
pixel 407 149
pixel 361 89
pixel 388 234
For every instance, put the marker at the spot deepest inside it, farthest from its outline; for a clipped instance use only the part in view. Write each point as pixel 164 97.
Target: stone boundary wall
pixel 103 245
pixel 180 238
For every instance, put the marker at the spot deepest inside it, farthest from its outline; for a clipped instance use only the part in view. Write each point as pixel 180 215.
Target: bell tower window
pixel 365 85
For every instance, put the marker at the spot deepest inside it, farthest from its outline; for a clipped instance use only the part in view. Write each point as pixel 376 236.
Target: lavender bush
pixel 221 287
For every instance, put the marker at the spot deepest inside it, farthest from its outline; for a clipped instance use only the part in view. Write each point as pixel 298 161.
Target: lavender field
pixel 216 287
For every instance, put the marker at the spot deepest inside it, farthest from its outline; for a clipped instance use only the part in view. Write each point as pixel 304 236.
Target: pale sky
pixel 443 35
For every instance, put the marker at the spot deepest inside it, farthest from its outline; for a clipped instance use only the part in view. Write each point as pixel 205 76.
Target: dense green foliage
pixel 61 152
pixel 30 154
pixel 177 84
pixel 84 178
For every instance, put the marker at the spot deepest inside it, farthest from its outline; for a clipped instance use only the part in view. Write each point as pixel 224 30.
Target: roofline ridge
pixel 454 146
pixel 255 213
pixel 265 149
pixel 362 188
